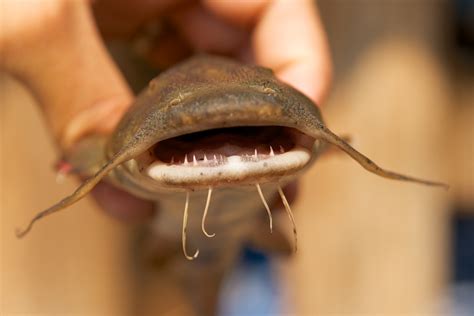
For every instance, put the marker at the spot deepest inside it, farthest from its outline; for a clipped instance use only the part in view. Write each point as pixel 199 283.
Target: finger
pixel 206 32
pixel 290 39
pixel 62 59
pixel 243 13
pixel 122 205
pixel 124 18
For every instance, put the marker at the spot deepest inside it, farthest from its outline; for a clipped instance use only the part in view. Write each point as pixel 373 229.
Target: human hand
pixel 54 47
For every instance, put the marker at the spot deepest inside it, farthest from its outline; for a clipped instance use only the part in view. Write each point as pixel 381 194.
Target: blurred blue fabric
pixel 463 248
pixel 462 292
pixel 252 288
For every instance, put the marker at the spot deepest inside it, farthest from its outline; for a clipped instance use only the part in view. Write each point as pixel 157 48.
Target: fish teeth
pixel 222 159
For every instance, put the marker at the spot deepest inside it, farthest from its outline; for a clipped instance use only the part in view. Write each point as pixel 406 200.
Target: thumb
pixel 61 58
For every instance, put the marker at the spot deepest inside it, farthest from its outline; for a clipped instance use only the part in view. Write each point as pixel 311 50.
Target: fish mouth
pixel 227 156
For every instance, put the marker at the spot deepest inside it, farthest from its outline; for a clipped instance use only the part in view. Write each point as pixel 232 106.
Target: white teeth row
pixel 220 159
pixel 216 159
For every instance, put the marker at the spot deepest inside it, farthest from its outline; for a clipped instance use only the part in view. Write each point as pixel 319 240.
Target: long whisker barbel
pixel 290 215
pixel 183 233
pixel 259 189
pixel 208 201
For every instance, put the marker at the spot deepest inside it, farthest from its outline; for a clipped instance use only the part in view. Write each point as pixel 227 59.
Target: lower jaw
pixel 232 171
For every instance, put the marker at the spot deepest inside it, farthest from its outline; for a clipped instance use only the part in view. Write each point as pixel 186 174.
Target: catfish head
pixel 212 122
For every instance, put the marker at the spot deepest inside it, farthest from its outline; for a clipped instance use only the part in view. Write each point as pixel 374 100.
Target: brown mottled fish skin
pixel 209 92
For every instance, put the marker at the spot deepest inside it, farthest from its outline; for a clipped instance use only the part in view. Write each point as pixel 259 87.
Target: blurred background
pixel 403 90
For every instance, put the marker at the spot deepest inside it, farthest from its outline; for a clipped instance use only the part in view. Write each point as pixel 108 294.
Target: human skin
pixel 55 47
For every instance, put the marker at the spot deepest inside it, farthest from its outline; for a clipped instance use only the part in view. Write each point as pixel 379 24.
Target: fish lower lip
pixel 232 169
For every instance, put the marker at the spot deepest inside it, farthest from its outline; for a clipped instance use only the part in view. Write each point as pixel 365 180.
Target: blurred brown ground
pixel 367 245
